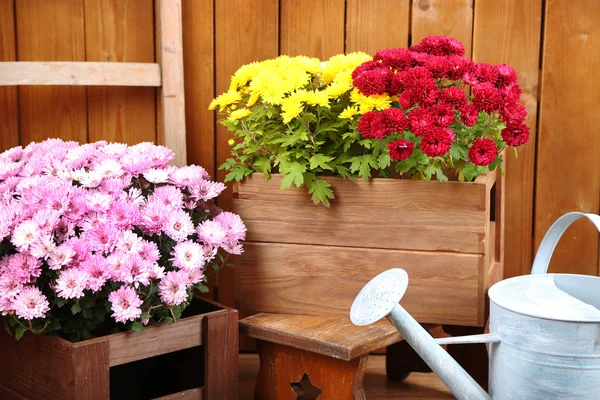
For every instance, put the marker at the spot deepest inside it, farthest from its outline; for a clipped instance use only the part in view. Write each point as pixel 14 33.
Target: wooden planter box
pixel 193 358
pixel 302 258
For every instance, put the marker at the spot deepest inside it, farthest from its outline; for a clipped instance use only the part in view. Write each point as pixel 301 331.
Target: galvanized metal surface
pixel 545 331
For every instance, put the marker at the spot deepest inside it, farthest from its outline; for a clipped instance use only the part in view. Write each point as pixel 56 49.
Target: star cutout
pixel 305 390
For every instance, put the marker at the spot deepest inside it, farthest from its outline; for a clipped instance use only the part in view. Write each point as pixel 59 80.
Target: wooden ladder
pixel 166 74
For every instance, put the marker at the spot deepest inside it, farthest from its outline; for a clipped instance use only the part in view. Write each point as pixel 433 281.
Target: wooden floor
pixel 417 386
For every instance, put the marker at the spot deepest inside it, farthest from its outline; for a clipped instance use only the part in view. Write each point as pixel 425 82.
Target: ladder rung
pixel 79 73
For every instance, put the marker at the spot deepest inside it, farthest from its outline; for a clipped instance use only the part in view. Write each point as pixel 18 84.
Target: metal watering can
pixel 544 340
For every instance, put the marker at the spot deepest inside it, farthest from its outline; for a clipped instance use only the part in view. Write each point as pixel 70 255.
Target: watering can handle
pixel 550 240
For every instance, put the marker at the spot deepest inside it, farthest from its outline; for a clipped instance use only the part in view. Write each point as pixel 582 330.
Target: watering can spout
pixel 380 298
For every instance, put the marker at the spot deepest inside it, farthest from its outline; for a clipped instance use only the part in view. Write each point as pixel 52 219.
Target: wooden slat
pixel 221 355
pixel 91 369
pixel 51 31
pixel 172 90
pixel 238 42
pixel 312 28
pixel 567 173
pixel 166 338
pixel 121 31
pixel 192 394
pixel 323 280
pixel 373 25
pixel 499 25
pixel 79 73
pixel 9 114
pixel 453 18
pixel 403 214
pixel 199 57
pixel 331 336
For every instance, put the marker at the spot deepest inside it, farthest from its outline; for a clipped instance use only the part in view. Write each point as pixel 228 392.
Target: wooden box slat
pixel 323 280
pixel 436 216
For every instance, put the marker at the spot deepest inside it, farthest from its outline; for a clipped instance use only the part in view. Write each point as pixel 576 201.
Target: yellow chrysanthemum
pixel 342 62
pixel 349 112
pixel 238 114
pixel 225 99
pixel 341 84
pixel 369 103
pixel 244 74
pixel 317 98
pixel 310 65
pixel 291 107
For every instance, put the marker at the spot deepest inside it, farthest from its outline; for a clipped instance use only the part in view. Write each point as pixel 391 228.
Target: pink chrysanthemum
pixel 25 234
pixel 155 176
pixel 196 275
pixel 179 226
pixel 71 283
pixel 172 289
pixel 96 268
pixel 207 190
pixel 211 233
pixel 125 304
pixel 233 225
pixel 31 303
pixel 188 176
pixel 24 267
pixel 188 255
pixel 129 242
pixel 116 266
pixel 167 196
pixel 42 247
pixel 137 270
pixel 124 215
pixel 10 285
pixel 153 217
pixel 149 251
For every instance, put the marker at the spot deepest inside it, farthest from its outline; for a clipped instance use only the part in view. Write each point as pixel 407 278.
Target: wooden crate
pixel 196 357
pixel 302 258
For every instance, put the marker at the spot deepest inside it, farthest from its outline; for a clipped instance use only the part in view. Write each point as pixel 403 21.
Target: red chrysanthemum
pixel 418 59
pixel 436 142
pixel 394 120
pixel 397 84
pixel 398 59
pixel 420 121
pixel 443 115
pixel 507 76
pixel 418 77
pixel 365 124
pixel 458 67
pixel 486 97
pixel 512 91
pixel 407 99
pixel 438 66
pixel 483 152
pixel 373 81
pixel 366 66
pixel 427 95
pixel 454 97
pixel 469 115
pixel 400 149
pixel 515 134
pixel 482 72
pixel 440 46
pixel 513 112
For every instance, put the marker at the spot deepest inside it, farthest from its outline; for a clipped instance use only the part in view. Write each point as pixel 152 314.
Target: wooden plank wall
pixel 553 44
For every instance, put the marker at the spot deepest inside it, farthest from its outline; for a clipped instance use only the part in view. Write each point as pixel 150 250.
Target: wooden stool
pixel 307 356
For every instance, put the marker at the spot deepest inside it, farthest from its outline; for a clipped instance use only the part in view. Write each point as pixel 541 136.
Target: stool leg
pixel 281 366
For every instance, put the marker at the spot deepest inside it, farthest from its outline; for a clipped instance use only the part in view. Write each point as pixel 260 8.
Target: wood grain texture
pixel 192 394
pixel 324 280
pixel 498 26
pixel 245 31
pixel 418 386
pixel 221 366
pixel 313 28
pixel 453 18
pixel 170 36
pixel 51 31
pixel 282 365
pixel 79 73
pixel 571 56
pixel 91 371
pixel 331 336
pixel 9 109
pixel 373 25
pixel 422 215
pixel 121 31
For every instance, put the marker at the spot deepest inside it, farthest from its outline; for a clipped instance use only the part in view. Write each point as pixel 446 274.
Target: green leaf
pixel 137 327
pixel 6 326
pixel 201 287
pixel 384 161
pixel 228 164
pixel 469 171
pixel 320 160
pixel 87 313
pixel 20 332
pixel 75 308
pixel 440 175
pixel 60 302
pixel 363 164
pixel 145 315
pixel 168 319
pixel 321 192
pixel 263 164
pixel 234 175
pixel 293 174
pixel 429 171
pixel 455 151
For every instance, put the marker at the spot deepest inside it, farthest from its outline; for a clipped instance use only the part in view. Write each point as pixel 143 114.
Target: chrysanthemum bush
pixel 105 237
pixel 423 112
